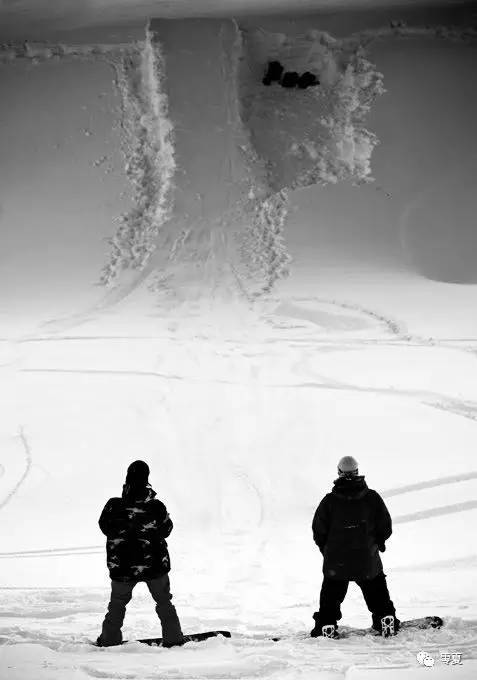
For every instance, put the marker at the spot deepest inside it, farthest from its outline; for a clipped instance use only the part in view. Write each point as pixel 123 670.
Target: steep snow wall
pixel 212 173
pixel 313 135
pixel 201 177
pixel 205 215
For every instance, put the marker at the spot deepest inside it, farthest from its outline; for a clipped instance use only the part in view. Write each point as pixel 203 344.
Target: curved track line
pixel 436 512
pixel 96 550
pixel 26 472
pixel 452 479
pixel 434 400
pixel 243 475
pixel 331 384
pixel 42 551
pixel 394 327
pixel 140 374
pixel 15 556
pixel 442 343
pixel 466 561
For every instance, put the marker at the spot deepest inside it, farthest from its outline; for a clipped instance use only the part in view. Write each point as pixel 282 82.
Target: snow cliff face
pixel 219 190
pixel 313 135
pixel 211 174
pixel 204 213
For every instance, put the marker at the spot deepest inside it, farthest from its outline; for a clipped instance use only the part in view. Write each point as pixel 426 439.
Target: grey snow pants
pixel 121 594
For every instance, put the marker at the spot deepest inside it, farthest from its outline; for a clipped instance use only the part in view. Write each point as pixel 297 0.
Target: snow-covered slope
pixel 242 410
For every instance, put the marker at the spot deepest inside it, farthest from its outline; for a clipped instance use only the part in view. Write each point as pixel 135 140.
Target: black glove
pixel 381 547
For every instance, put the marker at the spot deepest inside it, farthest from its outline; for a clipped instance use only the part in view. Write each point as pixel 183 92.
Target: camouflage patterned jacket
pixel 136 526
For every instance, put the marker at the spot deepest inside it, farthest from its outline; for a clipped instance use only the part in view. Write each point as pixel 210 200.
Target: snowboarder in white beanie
pixel 348 466
pixel 350 527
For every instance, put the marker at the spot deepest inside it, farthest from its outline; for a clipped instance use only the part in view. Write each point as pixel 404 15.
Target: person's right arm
pixel 321 524
pixel 112 519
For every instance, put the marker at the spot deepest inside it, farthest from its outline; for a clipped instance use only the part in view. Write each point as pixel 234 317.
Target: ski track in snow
pixel 396 329
pixel 399 338
pixel 28 464
pixel 429 484
pixel 435 512
pixel 396 491
pixel 463 408
pixel 252 654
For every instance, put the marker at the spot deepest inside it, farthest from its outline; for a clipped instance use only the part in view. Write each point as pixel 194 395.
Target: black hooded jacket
pixel 350 526
pixel 136 526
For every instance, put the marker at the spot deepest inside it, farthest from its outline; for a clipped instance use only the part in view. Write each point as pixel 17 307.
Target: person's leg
pixel 376 595
pixel 121 593
pixel 332 594
pixel 171 627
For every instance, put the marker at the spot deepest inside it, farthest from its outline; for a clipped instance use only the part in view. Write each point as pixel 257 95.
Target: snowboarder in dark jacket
pixel 136 526
pixel 350 527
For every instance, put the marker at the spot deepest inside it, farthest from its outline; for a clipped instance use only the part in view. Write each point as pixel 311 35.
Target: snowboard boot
pixel 323 630
pixel 168 645
pixel 101 642
pixel 386 625
pixel 329 631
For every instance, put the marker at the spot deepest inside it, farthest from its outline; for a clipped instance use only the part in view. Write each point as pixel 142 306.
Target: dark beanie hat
pixel 138 473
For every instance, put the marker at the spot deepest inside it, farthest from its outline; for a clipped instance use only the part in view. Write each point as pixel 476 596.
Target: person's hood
pixel 141 493
pixel 350 487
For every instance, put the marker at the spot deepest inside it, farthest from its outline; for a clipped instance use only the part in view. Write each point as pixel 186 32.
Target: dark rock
pixel 273 73
pixel 307 79
pixel 290 79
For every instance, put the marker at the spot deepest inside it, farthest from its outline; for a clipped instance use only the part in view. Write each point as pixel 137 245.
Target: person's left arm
pixel 163 520
pixel 384 526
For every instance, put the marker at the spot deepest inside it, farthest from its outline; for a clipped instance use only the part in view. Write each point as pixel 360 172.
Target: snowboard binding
pixel 328 631
pixel 388 627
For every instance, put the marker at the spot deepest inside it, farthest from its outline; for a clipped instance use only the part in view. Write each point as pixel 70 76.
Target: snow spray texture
pixel 211 153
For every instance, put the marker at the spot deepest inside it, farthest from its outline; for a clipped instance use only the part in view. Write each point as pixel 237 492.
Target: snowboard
pixel 193 637
pixel 422 623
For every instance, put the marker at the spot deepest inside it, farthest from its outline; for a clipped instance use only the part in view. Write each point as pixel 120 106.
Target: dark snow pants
pixel 121 594
pixel 375 593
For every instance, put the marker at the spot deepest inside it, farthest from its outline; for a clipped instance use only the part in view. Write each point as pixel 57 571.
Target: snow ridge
pixel 313 136
pixel 263 247
pixel 348 153
pixel 150 162
pixel 38 52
